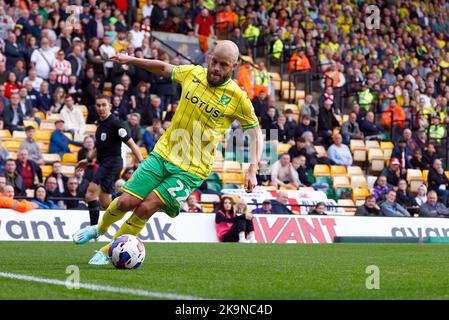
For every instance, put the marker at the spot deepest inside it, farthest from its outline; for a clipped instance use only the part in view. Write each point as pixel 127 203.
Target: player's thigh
pixel 175 189
pixel 149 206
pixel 148 175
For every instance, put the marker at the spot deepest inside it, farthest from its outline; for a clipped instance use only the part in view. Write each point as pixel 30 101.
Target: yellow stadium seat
pixel 338 171
pixel 70 158
pixel 218 166
pixel 354 171
pixel 282 148
pixel 84 110
pixel 231 166
pixel 359 182
pixel 51 157
pixel 19 135
pixel 68 135
pixel 306 189
pixel 40 115
pixel 347 203
pixel 360 194
pixel 31 123
pixel 321 170
pixel 144 152
pixel 74 148
pixel 372 144
pixel 447 174
pixel 207 207
pixel 425 174
pixel 341 182
pixel 359 155
pixel 321 151
pixel 53 117
pixel 46 170
pixel 44 146
pixel 68 170
pixel 386 145
pixel 245 166
pixel 292 107
pixel 414 174
pixel 91 129
pixel 12 145
pixel 5 134
pixel 232 178
pixel 357 145
pixel 49 126
pixel 376 157
pixel 287 188
pixel 12 155
pixel 42 135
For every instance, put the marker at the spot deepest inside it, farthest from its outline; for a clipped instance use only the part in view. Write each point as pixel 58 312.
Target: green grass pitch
pixel 235 271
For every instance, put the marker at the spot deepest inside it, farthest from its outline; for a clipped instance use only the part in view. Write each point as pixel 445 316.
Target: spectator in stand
pixel 2 182
pixel 73 196
pixel 59 142
pixel 405 198
pixel 304 126
pixel 231 227
pixel 88 149
pixel 73 118
pixel 279 205
pixel 390 208
pixel 421 140
pixel 26 105
pixel 284 134
pixel 12 115
pixel 152 134
pixel 269 122
pixel 241 42
pixel 28 169
pixel 107 51
pixel 350 129
pixel 191 205
pixel 61 179
pixel 13 178
pixel 370 208
pixel 265 209
pixel 7 201
pixel 430 154
pixel 403 154
pixel 83 183
pixel 438 181
pixel 421 197
pixel 31 146
pixel 62 68
pixel 11 85
pixel 51 186
pixel 4 154
pixel 204 28
pixel 339 153
pixel 327 122
pixel 263 175
pixel 34 79
pixel 283 174
pixel 319 209
pixel 437 131
pixel 298 149
pixel 42 58
pixel 394 173
pixel 310 110
pixel 418 161
pixel 369 129
pixel 147 9
pixel 380 189
pixel 432 208
pixel 299 62
pixel 133 127
pixel 41 199
pixel 77 61
pixel 3 100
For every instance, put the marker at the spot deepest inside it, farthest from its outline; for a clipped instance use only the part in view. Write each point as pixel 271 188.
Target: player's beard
pixel 222 80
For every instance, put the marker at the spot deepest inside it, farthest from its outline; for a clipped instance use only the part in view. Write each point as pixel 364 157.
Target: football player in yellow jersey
pixel 183 157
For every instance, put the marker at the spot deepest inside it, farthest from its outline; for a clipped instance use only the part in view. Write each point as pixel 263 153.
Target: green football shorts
pixel 171 184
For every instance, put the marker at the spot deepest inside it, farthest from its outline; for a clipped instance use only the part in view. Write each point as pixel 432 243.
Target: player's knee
pixel 147 208
pixel 104 202
pixel 127 202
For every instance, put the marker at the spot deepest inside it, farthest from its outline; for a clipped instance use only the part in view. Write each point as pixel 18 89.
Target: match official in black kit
pixel 108 144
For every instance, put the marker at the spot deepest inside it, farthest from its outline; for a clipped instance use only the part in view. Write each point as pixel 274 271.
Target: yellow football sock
pixel 111 215
pixel 132 226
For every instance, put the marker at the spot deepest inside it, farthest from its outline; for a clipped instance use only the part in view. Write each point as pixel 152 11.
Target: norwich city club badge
pixel 225 100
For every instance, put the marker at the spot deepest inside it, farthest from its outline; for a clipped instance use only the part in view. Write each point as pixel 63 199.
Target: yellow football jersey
pixel 201 119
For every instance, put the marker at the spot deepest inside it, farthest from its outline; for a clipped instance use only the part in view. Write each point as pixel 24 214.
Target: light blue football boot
pixel 86 234
pixel 100 258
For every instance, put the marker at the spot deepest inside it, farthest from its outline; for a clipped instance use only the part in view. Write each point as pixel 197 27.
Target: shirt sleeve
pixel 180 73
pixel 122 133
pixel 245 113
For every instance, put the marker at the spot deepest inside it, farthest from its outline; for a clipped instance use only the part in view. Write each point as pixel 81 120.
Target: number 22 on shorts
pixel 180 187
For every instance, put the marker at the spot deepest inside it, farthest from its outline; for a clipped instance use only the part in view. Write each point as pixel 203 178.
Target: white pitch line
pixel 97 287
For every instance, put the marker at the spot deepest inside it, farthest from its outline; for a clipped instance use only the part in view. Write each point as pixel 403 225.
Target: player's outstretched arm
pixel 154 66
pixel 255 152
pixel 135 149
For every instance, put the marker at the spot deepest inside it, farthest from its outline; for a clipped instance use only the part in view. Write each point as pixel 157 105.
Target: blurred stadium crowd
pixel 357 112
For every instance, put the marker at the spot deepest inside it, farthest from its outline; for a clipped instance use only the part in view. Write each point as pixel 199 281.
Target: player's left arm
pixel 246 116
pixel 135 149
